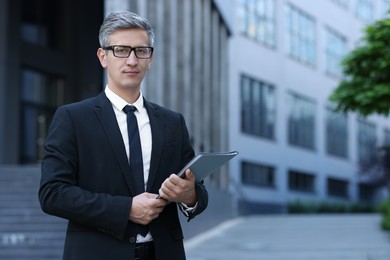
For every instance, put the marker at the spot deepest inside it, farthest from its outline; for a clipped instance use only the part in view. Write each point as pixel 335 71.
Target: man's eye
pixel 121 50
pixel 142 51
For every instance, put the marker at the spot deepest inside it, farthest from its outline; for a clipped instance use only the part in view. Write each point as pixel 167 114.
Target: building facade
pixel 248 75
pixel 48 58
pixel 285 62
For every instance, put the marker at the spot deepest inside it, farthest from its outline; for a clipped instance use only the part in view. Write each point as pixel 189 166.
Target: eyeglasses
pixel 121 51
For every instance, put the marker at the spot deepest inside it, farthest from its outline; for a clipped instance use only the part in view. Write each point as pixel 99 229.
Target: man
pixel 88 174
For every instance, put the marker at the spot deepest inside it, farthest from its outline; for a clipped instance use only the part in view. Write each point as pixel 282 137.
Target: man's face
pixel 125 73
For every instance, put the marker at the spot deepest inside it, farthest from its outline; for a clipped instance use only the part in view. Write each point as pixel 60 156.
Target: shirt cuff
pixel 187 210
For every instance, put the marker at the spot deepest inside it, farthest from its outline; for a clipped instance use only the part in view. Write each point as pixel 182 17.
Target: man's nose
pixel 132 59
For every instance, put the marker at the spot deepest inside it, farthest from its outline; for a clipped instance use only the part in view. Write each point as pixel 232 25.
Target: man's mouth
pixel 130 72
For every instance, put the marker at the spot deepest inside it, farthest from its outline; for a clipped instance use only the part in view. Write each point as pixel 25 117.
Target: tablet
pixel 204 164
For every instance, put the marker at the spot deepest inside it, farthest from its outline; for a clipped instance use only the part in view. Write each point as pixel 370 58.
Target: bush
pixel 384 208
pixel 300 207
pixel 326 207
pixel 362 208
pixel 332 208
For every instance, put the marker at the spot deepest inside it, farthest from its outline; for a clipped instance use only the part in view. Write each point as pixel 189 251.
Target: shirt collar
pixel 120 103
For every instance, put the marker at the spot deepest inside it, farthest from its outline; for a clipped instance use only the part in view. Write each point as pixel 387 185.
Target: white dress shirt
pixel 145 134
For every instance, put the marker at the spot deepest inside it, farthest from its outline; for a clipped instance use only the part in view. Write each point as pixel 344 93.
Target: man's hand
pixel 145 208
pixel 179 190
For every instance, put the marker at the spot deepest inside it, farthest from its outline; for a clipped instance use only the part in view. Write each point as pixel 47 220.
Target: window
pixel 41 23
pixel 365 10
pixel 301 124
pixel 257 175
pixel 367 143
pixel 257 19
pixel 337 188
pixel 301 36
pixel 336 48
pixel 385 152
pixel 257 108
pixel 366 192
pixel 343 3
pixel 384 8
pixel 299 181
pixel 336 133
pixel 386 141
pixel 40 95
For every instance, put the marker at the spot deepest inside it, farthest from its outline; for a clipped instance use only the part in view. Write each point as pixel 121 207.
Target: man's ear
pixel 102 57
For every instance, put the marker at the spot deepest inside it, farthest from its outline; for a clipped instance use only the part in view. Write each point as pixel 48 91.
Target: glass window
pixel 365 10
pixel 343 3
pixel 384 8
pixel 40 95
pixel 336 133
pixel 41 22
pixel 336 48
pixel 337 188
pixel 386 141
pixel 257 175
pixel 366 192
pixel 40 88
pixel 367 143
pixel 258 108
pixel 300 181
pixel 257 21
pixel 301 122
pixel 301 36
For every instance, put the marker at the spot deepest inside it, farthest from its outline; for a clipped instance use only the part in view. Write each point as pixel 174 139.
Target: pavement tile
pixel 294 237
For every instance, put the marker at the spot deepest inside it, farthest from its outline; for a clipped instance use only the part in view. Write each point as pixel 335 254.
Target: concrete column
pixel 171 49
pixel 206 76
pixel 133 6
pixel 154 83
pixel 187 49
pixel 3 82
pixel 10 81
pixel 224 88
pixel 223 107
pixel 215 84
pixel 197 76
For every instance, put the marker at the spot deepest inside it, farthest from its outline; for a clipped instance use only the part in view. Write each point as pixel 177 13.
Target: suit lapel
pixel 107 118
pixel 156 126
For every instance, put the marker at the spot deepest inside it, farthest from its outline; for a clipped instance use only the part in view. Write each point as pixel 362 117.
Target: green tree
pixel 365 89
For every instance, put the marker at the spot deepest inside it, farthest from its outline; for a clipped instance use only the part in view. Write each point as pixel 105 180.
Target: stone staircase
pixel 25 231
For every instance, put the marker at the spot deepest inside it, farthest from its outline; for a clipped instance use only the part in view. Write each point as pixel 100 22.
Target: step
pixel 26 232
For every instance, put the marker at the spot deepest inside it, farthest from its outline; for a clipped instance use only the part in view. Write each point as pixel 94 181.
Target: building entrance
pixel 54 62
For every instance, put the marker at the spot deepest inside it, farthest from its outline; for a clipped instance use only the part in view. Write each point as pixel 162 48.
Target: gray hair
pixel 123 20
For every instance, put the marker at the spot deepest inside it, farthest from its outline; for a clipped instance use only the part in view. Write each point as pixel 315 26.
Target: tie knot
pixel 128 109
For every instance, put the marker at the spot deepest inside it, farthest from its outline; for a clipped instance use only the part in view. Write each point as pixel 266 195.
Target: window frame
pixel 258 111
pixel 301 126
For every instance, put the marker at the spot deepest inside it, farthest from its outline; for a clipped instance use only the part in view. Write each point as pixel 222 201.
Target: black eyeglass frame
pixel 112 48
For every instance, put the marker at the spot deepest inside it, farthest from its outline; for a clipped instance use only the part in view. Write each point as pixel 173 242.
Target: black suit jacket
pixel 86 179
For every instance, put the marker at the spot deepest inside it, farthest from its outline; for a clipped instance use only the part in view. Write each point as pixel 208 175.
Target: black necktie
pixel 136 162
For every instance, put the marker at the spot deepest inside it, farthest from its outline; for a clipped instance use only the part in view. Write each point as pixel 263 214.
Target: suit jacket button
pixel 132 240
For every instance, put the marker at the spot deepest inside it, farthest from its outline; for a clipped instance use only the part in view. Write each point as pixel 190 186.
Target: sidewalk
pixel 293 237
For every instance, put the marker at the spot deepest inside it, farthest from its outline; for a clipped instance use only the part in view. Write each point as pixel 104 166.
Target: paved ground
pixel 293 237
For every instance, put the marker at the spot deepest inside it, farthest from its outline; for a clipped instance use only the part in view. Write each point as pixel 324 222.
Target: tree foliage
pixel 365 89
